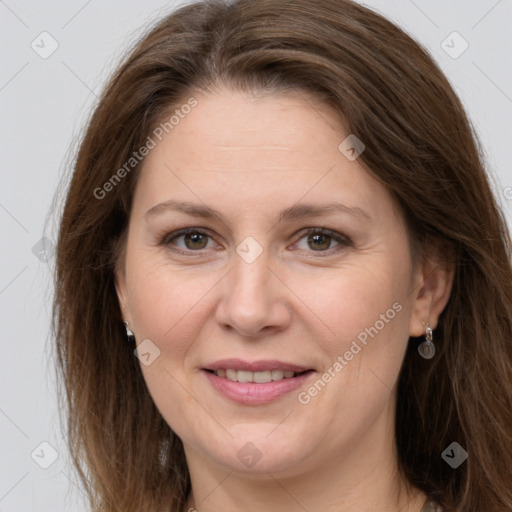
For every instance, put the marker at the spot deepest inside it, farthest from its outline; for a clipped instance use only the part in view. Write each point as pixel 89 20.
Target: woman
pixel 283 282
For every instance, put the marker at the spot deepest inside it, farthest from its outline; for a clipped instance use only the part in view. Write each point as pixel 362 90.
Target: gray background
pixel 44 103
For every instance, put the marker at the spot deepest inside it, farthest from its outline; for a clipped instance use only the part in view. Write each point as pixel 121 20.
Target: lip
pixel 255 366
pixel 250 393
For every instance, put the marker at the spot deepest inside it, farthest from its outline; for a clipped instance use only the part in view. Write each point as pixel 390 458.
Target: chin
pixel 259 455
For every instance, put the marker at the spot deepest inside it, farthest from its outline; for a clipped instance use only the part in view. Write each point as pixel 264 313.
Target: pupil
pixel 321 238
pixel 196 239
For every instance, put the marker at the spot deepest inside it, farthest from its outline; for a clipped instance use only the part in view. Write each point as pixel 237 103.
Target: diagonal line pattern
pixel 168 168
pixel 75 15
pixel 306 193
pixel 198 402
pixel 279 424
pixel 192 307
pixel 286 491
pixel 406 505
pixel 217 486
pixel 192 192
pixel 486 14
pixel 492 81
pixel 74 483
pixel 14 423
pixel 424 13
pixel 14 218
pixel 380 379
pixel 79 78
pixel 13 13
pixel 312 106
pixel 18 482
pixel 14 76
pixel 332 332
pixel 12 280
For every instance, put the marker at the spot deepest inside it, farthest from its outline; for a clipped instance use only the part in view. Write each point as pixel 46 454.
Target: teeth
pixel 261 377
pixel 232 375
pixel 244 376
pixel 278 374
pixel 258 377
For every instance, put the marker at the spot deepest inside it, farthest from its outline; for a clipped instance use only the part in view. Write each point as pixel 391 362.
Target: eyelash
pixel 342 240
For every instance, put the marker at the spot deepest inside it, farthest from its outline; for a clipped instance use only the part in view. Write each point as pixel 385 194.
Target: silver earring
pixel 427 349
pixel 130 337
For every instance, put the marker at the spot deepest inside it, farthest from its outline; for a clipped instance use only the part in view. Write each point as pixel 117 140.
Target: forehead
pixel 264 127
pixel 241 148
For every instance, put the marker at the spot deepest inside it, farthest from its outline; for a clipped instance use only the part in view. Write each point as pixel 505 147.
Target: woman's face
pixel 295 261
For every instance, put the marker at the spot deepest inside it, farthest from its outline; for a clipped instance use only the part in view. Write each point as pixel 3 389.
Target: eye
pixel 321 240
pixel 317 240
pixel 193 239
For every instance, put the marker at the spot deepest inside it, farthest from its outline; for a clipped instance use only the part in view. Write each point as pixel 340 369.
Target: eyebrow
pixel 297 211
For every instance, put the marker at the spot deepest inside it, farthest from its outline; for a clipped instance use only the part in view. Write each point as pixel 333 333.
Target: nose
pixel 254 300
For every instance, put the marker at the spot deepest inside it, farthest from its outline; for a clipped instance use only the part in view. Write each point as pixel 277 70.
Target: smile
pixel 257 382
pixel 257 377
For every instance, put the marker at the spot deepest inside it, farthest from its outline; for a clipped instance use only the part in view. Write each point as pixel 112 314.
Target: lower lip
pixel 256 394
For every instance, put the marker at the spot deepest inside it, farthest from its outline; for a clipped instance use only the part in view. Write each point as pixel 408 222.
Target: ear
pixel 431 292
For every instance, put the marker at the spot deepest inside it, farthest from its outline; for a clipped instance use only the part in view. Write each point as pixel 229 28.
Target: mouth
pixel 255 383
pixel 260 377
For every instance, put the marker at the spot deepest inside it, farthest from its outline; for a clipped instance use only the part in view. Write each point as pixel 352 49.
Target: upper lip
pixel 255 366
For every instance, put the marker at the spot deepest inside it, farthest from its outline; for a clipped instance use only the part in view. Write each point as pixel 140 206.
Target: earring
pixel 130 337
pixel 427 349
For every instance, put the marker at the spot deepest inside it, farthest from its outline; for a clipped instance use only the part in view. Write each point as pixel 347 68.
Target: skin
pixel 250 156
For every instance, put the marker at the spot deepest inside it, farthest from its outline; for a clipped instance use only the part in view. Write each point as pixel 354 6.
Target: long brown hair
pixel 419 144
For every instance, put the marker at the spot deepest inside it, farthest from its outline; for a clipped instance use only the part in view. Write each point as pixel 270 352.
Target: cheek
pixel 366 310
pixel 173 304
pixel 358 298
pixel 370 320
pixel 168 304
